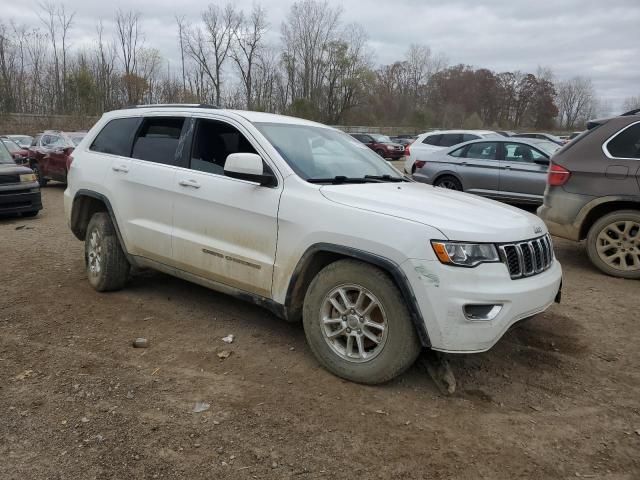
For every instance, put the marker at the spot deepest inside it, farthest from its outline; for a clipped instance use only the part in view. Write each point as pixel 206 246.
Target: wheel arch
pixel 319 255
pixel 448 173
pixel 604 206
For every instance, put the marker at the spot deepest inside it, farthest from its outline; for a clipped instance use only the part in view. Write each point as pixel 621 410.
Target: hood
pixel 458 215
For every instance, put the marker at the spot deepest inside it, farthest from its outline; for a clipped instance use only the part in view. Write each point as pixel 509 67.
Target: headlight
pixel 465 254
pixel 27 177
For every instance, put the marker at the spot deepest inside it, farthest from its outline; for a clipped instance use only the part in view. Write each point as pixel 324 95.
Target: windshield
pixel 317 152
pixel 5 156
pixel 380 138
pixel 547 147
pixel 11 146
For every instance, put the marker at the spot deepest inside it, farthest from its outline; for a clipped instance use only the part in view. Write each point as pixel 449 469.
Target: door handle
pixel 120 168
pixel 508 167
pixel 189 183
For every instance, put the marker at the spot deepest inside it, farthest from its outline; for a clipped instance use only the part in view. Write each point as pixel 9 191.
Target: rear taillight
pixel 558 175
pixel 420 163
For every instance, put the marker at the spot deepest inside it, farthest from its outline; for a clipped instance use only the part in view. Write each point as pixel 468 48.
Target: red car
pixel 50 155
pixel 381 144
pixel 20 155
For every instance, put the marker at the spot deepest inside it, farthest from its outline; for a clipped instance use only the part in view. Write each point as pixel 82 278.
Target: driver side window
pixel 518 152
pixel 213 142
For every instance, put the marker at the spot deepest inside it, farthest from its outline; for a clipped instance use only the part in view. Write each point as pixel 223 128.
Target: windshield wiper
pixel 385 178
pixel 339 179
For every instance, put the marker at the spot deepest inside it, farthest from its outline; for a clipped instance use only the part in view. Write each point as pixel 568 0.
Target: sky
pixel 599 39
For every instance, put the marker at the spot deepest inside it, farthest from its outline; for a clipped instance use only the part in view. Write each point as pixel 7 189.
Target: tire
pixel 106 263
pixel 398 345
pixel 449 182
pixel 31 213
pixel 613 244
pixel 380 152
pixel 41 180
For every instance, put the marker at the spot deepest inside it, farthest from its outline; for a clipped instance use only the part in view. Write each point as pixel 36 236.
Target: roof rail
pixel 631 112
pixel 173 105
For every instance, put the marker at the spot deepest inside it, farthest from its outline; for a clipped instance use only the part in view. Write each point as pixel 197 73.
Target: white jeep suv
pixel 306 221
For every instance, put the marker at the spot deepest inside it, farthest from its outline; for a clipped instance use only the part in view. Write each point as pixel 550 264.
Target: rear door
pixel 523 172
pixel 478 166
pixel 141 184
pixel 225 229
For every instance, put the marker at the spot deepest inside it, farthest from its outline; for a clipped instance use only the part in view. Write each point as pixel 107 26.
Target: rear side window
pixel 626 144
pixel 116 137
pixel 432 140
pixel 482 151
pixel 158 140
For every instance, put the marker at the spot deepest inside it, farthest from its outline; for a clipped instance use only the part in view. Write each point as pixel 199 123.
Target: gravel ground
pixel 558 397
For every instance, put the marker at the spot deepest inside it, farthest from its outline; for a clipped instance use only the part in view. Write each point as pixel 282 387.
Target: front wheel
pixel 613 244
pixel 380 152
pixel 357 323
pixel 106 263
pixel 41 180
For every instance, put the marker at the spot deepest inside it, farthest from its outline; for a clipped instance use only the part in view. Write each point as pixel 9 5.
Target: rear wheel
pixel 357 323
pixel 613 244
pixel 107 265
pixel 447 181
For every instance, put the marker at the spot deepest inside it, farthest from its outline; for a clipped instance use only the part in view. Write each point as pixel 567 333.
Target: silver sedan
pixel 512 170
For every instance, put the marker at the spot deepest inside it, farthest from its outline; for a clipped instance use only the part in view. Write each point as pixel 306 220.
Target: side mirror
pixel 248 166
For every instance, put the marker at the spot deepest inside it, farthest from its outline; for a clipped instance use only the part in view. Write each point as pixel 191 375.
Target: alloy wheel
pixel 618 245
pixel 94 255
pixel 353 323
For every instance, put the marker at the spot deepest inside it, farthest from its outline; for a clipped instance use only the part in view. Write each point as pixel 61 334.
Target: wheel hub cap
pixel 353 323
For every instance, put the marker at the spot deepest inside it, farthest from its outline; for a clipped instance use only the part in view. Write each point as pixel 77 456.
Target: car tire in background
pixel 36 170
pixel 449 182
pixel 613 244
pixel 106 263
pixel 352 299
pixel 380 152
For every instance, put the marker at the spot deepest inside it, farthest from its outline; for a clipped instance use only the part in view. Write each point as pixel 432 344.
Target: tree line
pixel 321 69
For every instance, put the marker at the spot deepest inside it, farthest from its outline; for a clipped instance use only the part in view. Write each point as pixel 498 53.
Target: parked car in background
pixel 512 170
pixel 296 217
pixel 574 135
pixel 19 154
pixel 19 189
pixel 440 139
pixel 381 144
pixel 23 140
pixel 593 193
pixel 403 141
pixel 50 155
pixel 541 136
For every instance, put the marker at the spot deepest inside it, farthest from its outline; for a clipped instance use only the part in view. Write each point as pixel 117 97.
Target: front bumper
pixel 18 198
pixel 443 292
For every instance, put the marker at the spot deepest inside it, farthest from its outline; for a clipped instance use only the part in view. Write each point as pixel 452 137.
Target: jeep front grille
pixel 525 259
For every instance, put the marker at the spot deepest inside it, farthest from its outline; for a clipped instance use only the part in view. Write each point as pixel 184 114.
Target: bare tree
pixel 631 103
pixel 248 46
pixel 130 41
pixel 576 100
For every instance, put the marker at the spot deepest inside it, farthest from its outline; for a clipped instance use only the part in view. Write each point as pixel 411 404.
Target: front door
pixel 225 229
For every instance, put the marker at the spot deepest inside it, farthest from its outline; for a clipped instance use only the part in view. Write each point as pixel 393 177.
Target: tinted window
pixel 467 136
pixel 158 140
pixel 116 137
pixel 213 143
pixel 483 151
pixel 626 144
pixel 518 152
pixel 450 139
pixel 432 140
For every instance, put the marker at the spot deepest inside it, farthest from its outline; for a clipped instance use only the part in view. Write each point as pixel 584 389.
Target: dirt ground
pixel 557 398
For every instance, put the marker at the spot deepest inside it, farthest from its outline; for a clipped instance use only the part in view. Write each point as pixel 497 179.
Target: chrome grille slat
pixel 528 258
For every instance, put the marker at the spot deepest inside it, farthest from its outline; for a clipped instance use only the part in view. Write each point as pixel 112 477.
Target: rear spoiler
pixel 599 121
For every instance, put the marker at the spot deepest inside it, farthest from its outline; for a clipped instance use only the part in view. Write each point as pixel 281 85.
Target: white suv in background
pixel 306 221
pixel 437 140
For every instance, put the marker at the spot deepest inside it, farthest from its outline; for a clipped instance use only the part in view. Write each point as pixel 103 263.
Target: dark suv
pixel 593 193
pixel 381 144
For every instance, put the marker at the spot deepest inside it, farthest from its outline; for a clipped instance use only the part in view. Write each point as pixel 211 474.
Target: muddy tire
pixel 613 244
pixel 106 263
pixel 357 323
